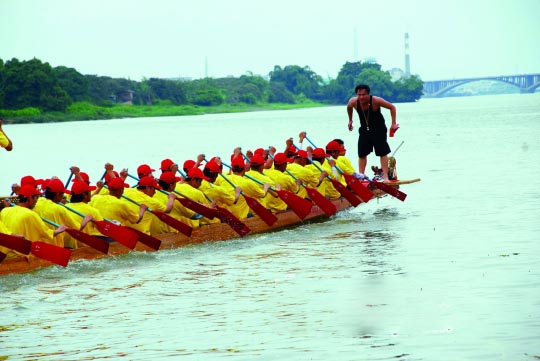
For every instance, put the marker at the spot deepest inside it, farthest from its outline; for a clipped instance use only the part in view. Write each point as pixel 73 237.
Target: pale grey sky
pixel 167 38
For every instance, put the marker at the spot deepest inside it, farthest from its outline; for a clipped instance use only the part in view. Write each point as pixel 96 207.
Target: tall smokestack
pixel 407 60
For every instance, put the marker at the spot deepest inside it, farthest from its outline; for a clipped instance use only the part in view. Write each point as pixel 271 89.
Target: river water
pixel 452 273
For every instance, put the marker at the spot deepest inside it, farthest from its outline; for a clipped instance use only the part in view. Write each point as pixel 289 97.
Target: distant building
pixel 396 74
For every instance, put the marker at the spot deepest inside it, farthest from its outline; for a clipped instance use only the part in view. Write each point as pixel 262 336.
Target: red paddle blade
pixel 203 210
pixel 268 217
pixel 227 217
pixel 300 206
pixel 120 234
pixel 94 242
pixel 146 239
pixel 2 256
pixel 328 207
pixel 394 192
pixel 174 223
pixel 15 243
pixel 51 253
pixel 358 187
pixel 346 193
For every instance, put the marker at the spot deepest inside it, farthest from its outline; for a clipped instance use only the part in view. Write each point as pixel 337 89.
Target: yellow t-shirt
pixel 178 212
pixel 58 214
pixel 9 252
pixel 3 140
pixel 346 166
pixel 149 222
pixel 27 223
pixel 86 209
pixel 115 209
pixel 195 195
pixel 274 203
pixel 241 209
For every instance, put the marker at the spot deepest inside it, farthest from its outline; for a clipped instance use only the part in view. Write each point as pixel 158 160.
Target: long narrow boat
pixel 208 233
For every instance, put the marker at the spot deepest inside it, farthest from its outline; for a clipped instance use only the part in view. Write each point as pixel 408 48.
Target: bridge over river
pixel 527 83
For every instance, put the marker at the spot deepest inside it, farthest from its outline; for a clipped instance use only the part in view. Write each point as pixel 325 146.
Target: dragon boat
pixel 208 233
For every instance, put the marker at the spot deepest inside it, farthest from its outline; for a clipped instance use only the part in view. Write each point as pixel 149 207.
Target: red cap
pixel 55 185
pixel 117 183
pixel 188 164
pixel 31 180
pixel 148 181
pixel 144 169
pixel 259 151
pixel 257 160
pixel 196 173
pixel 213 167
pixel 28 191
pixel 169 177
pixel 166 164
pixel 84 176
pixel 333 145
pixel 302 154
pixel 292 149
pixel 108 177
pixel 281 158
pixel 238 162
pixel 79 187
pixel 319 153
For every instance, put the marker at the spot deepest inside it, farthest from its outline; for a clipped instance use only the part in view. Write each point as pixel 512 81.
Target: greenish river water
pixel 452 273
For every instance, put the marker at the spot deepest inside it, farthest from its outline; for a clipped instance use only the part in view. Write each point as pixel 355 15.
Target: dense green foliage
pixel 33 90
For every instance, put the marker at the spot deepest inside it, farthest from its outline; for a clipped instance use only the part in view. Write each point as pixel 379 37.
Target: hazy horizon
pixel 168 39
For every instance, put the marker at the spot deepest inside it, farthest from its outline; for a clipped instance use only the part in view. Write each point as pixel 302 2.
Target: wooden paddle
pixel 118 233
pixel 2 256
pixel 347 194
pixel 354 183
pixel 300 206
pixel 94 242
pixel 46 251
pixel 268 217
pixel 165 218
pixel 15 243
pixel 146 239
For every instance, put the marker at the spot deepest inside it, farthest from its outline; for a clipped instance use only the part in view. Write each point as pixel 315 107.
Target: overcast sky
pixel 193 38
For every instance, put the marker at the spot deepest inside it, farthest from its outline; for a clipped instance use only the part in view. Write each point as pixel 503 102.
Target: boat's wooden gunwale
pixel 209 233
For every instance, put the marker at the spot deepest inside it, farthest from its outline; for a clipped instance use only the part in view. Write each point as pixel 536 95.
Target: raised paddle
pixel 268 217
pixel 119 234
pixel 353 182
pixel 165 218
pixel 94 242
pixel 300 206
pixel 46 251
pixel 328 207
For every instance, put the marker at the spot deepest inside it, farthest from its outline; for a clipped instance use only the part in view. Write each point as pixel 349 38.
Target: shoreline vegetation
pixel 32 91
pixel 82 111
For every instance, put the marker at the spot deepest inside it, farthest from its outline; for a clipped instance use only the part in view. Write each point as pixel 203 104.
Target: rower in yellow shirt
pixel 113 207
pixel 49 209
pixel 190 189
pixel 5 142
pixel 144 194
pixel 23 221
pixel 272 201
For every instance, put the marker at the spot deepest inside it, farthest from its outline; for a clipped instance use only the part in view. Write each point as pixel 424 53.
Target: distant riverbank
pixel 87 111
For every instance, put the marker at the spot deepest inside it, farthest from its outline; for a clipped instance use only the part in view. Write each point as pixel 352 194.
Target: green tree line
pixel 34 86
